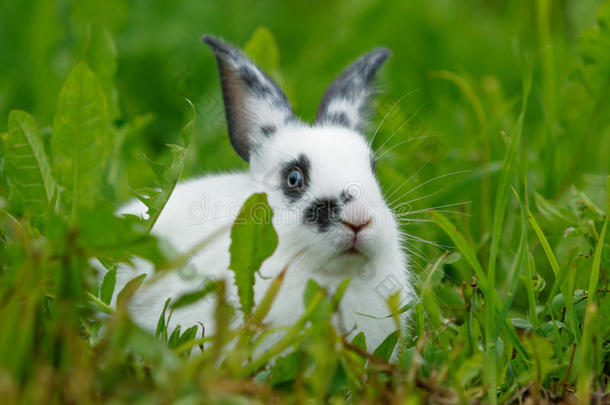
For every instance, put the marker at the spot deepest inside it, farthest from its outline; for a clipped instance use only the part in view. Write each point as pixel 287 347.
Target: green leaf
pixel 192 297
pixel 253 240
pixel 548 251
pixel 168 174
pixel 429 298
pixel 263 50
pixel 468 253
pixel 101 57
pixel 469 370
pixel 521 323
pixel 339 293
pixel 541 354
pixel 595 268
pixel 161 327
pixel 80 141
pixel 516 268
pixel 188 335
pixel 339 382
pixel 385 349
pixel 462 244
pixel 595 65
pixel 264 306
pixel 129 290
pixel 553 212
pixel 292 336
pixel 115 163
pixel 117 239
pixel 286 368
pixel 325 308
pixel 147 347
pixel 559 304
pixel 501 202
pixel 174 338
pixel 548 329
pixel 108 286
pixel 359 341
pixel 26 164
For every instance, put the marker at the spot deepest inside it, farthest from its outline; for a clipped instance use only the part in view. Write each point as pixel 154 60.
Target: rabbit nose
pixel 356 217
pixel 357 227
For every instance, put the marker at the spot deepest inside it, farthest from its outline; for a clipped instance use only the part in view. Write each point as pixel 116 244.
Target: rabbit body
pixel 209 204
pixel 329 212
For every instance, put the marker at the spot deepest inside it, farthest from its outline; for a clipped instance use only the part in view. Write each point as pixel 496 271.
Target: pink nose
pixel 357 227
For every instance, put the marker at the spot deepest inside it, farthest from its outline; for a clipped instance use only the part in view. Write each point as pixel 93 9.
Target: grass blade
pixel 595 268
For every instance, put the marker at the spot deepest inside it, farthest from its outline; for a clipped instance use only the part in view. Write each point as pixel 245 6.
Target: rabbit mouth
pixel 352 251
pixel 353 246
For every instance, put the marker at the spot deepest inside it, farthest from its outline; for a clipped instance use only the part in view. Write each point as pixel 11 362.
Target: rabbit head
pixel 320 178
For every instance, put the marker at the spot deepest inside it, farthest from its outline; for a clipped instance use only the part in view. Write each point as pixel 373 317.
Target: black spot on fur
pixel 322 213
pixel 346 197
pixel 373 162
pixel 354 86
pixel 338 118
pixel 254 84
pixel 265 89
pixel 302 163
pixel 241 82
pixel 268 129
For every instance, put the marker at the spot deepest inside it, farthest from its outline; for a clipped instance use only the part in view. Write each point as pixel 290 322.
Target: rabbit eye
pixel 295 178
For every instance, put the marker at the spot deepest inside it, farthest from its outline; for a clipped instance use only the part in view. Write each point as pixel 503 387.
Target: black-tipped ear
pixel 254 104
pixel 346 99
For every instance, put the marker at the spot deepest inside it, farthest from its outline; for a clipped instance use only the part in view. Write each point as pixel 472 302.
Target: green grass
pixel 494 125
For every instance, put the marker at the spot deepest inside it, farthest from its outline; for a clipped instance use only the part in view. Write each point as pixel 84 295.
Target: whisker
pixel 414 220
pixel 416 251
pixel 407 181
pixel 452 212
pixel 391 189
pixel 387 114
pixel 429 181
pixel 402 204
pixel 415 199
pixel 417 254
pixel 403 142
pixel 437 178
pixel 429 242
pixel 431 208
pixel 399 128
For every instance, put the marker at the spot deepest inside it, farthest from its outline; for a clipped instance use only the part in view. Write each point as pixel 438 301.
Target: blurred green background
pixel 457 69
pixel 450 100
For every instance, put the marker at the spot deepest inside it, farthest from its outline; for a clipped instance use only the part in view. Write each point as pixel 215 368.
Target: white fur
pixel 339 158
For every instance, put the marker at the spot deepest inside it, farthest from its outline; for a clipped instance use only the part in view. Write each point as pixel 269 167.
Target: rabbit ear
pixel 254 104
pixel 346 100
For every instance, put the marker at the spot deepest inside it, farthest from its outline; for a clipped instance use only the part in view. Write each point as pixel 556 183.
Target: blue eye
pixel 295 178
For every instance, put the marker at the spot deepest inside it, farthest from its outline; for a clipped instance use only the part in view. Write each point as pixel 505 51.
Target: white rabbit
pixel 329 211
